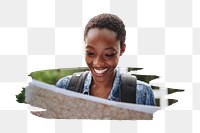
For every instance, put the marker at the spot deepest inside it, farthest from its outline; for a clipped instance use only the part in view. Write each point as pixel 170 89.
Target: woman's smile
pixel 100 71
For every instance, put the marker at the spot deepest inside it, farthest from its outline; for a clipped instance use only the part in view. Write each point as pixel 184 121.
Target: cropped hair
pixel 110 22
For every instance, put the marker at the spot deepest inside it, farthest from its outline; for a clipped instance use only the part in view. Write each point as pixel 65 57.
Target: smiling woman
pixel 104 38
pixel 102 56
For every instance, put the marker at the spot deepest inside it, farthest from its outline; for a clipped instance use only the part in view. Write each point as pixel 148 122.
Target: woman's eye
pixel 110 55
pixel 90 53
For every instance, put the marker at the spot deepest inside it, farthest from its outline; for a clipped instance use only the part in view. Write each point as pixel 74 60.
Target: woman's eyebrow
pixel 110 48
pixel 89 47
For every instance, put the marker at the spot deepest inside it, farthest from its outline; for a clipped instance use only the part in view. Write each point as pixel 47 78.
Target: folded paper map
pixel 63 104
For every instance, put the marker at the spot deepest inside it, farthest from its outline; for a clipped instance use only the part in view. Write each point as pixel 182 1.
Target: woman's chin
pixel 102 77
pixel 99 77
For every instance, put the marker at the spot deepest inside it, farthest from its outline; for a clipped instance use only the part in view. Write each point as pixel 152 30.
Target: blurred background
pixel 52 76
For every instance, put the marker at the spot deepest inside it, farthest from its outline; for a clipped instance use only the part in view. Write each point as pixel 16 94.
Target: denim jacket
pixel 144 93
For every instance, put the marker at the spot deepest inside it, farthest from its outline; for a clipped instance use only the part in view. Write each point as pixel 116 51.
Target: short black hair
pixel 108 21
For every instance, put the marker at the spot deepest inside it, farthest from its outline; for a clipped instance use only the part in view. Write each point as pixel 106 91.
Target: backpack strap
pixel 127 89
pixel 77 81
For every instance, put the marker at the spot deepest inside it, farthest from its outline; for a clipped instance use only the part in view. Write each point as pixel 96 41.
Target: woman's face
pixel 102 53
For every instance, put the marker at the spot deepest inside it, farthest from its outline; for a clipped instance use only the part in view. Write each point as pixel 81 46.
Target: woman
pixel 104 38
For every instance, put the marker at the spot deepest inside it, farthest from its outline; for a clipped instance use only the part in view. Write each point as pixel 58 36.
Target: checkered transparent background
pixel 163 37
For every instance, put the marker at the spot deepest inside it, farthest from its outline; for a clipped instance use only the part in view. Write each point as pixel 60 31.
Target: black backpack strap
pixel 127 89
pixel 77 81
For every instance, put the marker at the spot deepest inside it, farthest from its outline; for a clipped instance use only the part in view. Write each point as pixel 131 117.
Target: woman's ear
pixel 122 49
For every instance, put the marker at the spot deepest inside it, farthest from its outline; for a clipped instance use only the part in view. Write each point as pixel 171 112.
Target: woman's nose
pixel 98 62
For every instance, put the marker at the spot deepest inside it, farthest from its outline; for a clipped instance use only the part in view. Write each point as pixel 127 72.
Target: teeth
pixel 100 71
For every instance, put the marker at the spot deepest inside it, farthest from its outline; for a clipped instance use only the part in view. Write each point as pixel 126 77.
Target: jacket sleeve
pixel 63 82
pixel 150 99
pixel 144 94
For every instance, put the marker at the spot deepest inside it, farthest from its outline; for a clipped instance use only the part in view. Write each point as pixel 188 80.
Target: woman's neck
pixel 105 84
pixel 102 89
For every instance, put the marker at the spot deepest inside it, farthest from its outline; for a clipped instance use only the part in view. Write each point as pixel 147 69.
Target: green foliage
pixel 155 87
pixel 145 78
pixel 133 69
pixel 52 76
pixel 171 90
pixel 172 101
pixel 21 96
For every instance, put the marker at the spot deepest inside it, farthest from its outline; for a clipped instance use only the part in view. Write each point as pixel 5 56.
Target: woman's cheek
pixel 88 60
pixel 113 62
